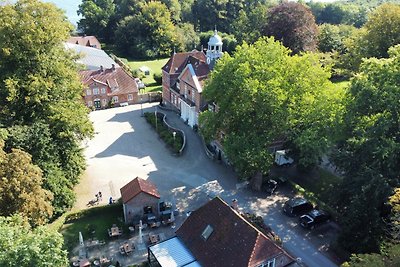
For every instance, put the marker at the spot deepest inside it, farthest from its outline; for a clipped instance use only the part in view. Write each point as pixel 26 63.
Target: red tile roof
pixel 233 242
pixel 85 41
pixel 118 80
pixel 178 61
pixel 136 186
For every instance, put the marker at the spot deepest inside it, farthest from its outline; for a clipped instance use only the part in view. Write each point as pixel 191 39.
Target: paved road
pixel 125 147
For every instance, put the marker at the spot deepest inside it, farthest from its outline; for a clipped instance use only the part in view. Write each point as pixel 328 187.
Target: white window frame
pixel 90 103
pixel 115 99
pixel 193 98
pixel 103 90
pixel 88 92
pixel 96 91
pixel 130 97
pixel 104 101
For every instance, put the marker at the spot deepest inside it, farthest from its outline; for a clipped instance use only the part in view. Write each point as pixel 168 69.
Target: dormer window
pixel 207 232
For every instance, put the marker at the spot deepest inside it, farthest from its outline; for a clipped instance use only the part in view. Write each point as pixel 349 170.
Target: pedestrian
pixel 111 201
pixel 100 196
pixel 97 197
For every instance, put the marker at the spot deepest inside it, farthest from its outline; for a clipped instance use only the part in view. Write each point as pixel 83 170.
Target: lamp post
pixel 174 134
pixel 141 105
pixel 155 114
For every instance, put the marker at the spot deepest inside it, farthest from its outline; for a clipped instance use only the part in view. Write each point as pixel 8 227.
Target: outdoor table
pixel 115 231
pixel 127 248
pixel 96 263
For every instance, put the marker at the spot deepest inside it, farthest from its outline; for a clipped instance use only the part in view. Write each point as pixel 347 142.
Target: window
pixel 130 97
pixel 95 91
pixel 115 99
pixel 103 90
pixel 89 103
pixel 207 232
pixel 88 92
pixel 270 263
pixel 193 96
pixel 104 102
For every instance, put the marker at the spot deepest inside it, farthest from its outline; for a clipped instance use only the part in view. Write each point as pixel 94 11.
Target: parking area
pixel 125 146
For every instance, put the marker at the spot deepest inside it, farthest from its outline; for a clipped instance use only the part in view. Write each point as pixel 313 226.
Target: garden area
pixel 152 85
pixel 173 139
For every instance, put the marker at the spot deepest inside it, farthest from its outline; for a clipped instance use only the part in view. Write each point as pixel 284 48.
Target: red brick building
pixel 183 79
pixel 139 196
pixel 108 87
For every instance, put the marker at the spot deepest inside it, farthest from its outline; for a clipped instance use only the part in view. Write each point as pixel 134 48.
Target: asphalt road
pixel 125 146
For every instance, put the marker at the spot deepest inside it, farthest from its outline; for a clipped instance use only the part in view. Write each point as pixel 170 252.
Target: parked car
pixel 297 206
pixel 314 218
pixel 270 186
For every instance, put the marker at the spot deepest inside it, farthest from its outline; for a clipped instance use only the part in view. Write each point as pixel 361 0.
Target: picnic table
pixel 127 248
pixel 153 239
pixel 114 231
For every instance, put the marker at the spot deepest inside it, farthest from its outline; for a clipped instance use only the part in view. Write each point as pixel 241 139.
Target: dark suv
pixel 314 218
pixel 297 206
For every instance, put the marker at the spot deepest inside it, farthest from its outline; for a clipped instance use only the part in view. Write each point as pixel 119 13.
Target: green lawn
pixel 93 223
pixel 155 67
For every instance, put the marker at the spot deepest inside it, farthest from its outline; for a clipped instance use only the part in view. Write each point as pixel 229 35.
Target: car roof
pixel 315 213
pixel 297 201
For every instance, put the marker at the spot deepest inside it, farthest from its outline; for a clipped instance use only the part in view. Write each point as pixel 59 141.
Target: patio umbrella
pixel 81 240
pixel 140 232
pixel 172 216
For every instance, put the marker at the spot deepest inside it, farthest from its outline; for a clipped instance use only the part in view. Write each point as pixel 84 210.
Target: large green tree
pixel 20 188
pixel 43 84
pixel 150 33
pixel 370 151
pixel 22 246
pixel 97 18
pixel 294 25
pixel 264 95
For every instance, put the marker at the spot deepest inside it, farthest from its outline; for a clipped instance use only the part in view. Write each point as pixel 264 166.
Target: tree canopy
pixel 42 89
pixel 294 25
pixel 21 246
pixel 260 88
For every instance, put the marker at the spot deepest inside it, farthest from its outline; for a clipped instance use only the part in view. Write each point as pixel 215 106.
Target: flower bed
pixel 174 142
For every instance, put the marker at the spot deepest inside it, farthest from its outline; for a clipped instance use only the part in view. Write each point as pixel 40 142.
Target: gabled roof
pixel 91 57
pixel 85 40
pixel 137 186
pixel 178 61
pixel 117 79
pixel 232 242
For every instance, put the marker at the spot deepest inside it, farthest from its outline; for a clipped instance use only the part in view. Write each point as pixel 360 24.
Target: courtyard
pixel 125 146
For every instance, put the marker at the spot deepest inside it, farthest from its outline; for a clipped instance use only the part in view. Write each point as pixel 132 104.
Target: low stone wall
pixel 173 129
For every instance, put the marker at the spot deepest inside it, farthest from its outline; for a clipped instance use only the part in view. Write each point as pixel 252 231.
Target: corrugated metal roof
pixel 92 58
pixel 173 253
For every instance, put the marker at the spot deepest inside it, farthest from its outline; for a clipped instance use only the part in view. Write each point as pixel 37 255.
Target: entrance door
pixel 97 104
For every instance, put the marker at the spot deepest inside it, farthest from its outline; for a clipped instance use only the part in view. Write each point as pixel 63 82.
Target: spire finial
pixel 174 50
pixel 215 30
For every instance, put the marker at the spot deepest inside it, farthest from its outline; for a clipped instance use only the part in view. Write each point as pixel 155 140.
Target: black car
pixel 297 206
pixel 314 218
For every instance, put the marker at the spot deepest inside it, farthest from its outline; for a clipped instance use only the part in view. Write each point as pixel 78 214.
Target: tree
pixel 150 33
pixel 370 151
pixel 20 188
pixel 294 25
pixel 97 18
pixel 382 30
pixel 187 36
pixel 331 37
pixel 388 258
pixel 42 86
pixel 285 96
pixel 24 247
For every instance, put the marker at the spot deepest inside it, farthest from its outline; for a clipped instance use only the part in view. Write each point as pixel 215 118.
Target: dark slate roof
pixel 85 40
pixel 118 80
pixel 135 187
pixel 178 61
pixel 233 242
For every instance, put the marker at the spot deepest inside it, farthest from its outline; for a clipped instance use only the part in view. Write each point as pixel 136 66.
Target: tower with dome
pixel 214 50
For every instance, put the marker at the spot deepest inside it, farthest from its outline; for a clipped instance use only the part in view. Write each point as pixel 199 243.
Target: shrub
pixel 158 78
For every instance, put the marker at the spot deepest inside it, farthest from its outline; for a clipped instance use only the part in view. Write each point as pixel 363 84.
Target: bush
pixel 158 78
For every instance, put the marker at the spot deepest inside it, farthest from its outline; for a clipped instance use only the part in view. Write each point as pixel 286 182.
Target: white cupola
pixel 214 50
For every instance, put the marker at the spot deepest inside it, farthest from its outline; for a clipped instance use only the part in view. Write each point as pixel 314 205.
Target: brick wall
pixel 135 206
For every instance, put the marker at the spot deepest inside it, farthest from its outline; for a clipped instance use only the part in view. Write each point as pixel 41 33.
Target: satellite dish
pixel 208 60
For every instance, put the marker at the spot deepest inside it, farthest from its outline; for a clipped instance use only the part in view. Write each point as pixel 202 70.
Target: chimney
pixel 113 67
pixel 101 68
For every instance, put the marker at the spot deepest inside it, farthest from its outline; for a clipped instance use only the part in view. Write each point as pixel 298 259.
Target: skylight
pixel 207 232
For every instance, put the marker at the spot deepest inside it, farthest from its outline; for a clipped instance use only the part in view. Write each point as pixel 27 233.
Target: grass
pixel 92 223
pixel 155 67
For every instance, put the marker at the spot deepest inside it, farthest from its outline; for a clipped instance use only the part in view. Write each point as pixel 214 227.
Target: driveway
pixel 125 146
